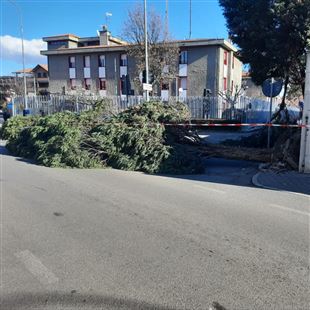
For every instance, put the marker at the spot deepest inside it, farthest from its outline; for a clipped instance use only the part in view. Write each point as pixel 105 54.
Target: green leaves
pixel 135 139
pixel 272 36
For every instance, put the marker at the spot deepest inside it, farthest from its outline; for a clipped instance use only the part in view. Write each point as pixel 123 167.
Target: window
pixel 233 61
pixel 225 84
pixel 87 84
pixel 73 84
pixel 165 86
pixel 102 84
pixel 183 83
pixel 101 60
pixel 232 86
pixel 71 62
pixel 183 57
pixel 44 74
pixel 123 85
pixel 43 85
pixel 39 75
pixel 86 61
pixel 57 42
pixel 225 57
pixel 123 60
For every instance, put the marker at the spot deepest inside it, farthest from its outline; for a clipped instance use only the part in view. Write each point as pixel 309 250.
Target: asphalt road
pixel 108 239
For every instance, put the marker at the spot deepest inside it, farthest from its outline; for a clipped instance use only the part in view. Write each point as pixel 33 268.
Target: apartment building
pixel 100 65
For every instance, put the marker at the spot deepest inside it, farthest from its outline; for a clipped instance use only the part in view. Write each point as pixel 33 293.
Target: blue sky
pixel 83 18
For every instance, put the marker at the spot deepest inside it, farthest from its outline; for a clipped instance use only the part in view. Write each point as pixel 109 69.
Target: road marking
pixel 289 209
pixel 210 189
pixel 36 267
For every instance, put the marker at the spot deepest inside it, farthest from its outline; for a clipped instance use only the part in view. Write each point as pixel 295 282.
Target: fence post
pixel 77 104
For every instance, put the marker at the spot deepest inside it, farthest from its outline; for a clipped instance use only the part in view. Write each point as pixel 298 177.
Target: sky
pixel 83 17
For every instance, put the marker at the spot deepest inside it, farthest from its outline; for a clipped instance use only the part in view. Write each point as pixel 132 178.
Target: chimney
pixel 104 35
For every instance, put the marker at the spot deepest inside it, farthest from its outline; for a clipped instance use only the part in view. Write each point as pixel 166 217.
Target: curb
pixel 256 183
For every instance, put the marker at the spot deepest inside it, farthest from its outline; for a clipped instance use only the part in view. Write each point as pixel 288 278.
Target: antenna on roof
pixel 107 16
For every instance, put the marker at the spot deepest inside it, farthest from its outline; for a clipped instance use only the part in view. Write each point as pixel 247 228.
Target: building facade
pixel 40 73
pixel 39 77
pixel 100 65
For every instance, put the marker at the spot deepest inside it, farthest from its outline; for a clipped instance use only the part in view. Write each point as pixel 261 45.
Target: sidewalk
pixel 291 181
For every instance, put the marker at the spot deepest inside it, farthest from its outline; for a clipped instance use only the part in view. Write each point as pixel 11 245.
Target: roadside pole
pixel 270 112
pixel 146 52
pixel 21 27
pixel 304 158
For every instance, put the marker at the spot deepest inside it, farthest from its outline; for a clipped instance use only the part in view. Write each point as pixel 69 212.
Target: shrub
pixel 135 139
pixel 139 146
pixel 12 128
pixel 53 140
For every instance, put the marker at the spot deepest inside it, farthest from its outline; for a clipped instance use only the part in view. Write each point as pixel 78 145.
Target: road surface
pixel 109 239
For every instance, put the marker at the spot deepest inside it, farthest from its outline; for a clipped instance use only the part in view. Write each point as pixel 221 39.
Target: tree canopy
pixel 163 52
pixel 273 36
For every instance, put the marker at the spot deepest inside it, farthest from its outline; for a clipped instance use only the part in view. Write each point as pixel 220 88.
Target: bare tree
pixel 163 52
pixel 231 98
pixel 12 85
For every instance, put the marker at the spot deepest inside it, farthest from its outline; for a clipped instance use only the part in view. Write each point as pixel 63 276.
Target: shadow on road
pixel 221 171
pixel 73 299
pixel 4 151
pixel 224 171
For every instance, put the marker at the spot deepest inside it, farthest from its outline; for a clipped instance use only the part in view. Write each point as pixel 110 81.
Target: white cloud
pixel 11 49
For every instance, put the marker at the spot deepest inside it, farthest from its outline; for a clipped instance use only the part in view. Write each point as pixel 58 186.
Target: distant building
pixel 250 88
pixel 100 65
pixel 39 76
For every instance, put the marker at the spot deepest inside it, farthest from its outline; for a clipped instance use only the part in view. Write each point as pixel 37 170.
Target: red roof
pixel 30 70
pixel 27 70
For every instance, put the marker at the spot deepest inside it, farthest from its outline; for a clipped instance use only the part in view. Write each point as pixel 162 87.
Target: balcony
pixel 182 70
pixel 123 70
pixel 86 73
pixel 72 73
pixel 102 72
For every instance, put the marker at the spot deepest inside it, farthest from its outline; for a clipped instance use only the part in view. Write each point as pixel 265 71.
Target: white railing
pixel 245 109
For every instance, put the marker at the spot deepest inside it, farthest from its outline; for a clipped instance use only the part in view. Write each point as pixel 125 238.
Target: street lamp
pixel 146 52
pixel 23 53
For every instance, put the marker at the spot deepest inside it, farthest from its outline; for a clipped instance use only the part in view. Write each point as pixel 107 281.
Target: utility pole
pixel 304 158
pixel 146 52
pixel 270 112
pixel 23 52
pixel 166 21
pixel 190 19
pixel 34 84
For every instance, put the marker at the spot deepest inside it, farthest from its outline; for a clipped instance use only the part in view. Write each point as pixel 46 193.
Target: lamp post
pixel 146 52
pixel 190 19
pixel 23 52
pixel 304 157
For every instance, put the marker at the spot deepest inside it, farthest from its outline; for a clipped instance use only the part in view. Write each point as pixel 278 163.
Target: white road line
pixel 210 189
pixel 289 209
pixel 36 267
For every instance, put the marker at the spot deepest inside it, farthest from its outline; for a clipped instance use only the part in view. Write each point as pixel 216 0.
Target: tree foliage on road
pixel 163 52
pixel 273 36
pixel 135 139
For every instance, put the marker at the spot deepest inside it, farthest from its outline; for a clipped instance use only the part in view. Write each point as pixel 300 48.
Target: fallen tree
pixel 135 139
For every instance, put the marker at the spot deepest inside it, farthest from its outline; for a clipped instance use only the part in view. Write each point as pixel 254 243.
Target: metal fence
pixel 245 109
